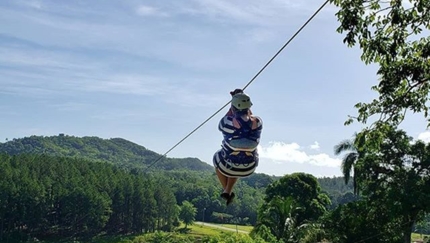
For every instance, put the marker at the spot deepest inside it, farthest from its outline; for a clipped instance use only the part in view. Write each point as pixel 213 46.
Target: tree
pixel 279 215
pixel 358 222
pixel 305 190
pixel 423 226
pixel 391 35
pixel 349 159
pixel 401 170
pixel 277 221
pixel 395 173
pixel 187 213
pixel 291 204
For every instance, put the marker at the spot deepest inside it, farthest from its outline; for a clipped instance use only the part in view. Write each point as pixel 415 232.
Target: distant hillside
pixel 116 150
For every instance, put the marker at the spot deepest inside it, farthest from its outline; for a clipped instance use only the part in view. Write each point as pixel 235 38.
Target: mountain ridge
pixel 116 150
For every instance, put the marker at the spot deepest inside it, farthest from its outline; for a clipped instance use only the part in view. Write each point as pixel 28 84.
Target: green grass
pixel 200 231
pixel 204 230
pixel 246 228
pixel 100 239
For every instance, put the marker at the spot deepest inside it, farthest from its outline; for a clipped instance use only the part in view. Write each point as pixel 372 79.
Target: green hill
pixel 117 151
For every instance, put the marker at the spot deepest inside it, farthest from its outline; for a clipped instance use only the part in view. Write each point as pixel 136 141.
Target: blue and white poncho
pixel 238 155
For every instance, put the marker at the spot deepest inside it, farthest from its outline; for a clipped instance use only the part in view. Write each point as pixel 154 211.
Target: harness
pixel 245 128
pixel 243 156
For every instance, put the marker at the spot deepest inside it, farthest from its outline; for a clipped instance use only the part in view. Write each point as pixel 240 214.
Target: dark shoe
pixel 230 198
pixel 225 195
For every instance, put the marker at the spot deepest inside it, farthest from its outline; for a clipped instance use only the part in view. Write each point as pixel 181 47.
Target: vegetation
pixel 69 198
pixel 48 197
pixel 117 151
pixel 394 182
pixel 187 213
pixel 67 188
pixel 391 172
pixel 291 207
pixel 394 36
pixel 77 198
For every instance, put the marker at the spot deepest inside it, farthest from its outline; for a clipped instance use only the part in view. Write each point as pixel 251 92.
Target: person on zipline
pixel 238 155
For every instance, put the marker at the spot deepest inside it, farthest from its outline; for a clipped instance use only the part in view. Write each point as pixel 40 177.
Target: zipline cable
pixel 252 80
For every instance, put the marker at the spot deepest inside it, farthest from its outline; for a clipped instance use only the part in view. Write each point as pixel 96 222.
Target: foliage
pixel 292 204
pixel 163 237
pixel 350 158
pixel 338 192
pixel 259 180
pixel 203 191
pixel 115 150
pixel 187 213
pixel 279 215
pixel 47 197
pixel 264 232
pixel 233 238
pixel 359 222
pixel 193 180
pixel 397 172
pixel 391 171
pixel 394 178
pixel 63 197
pixel 59 197
pixel 423 225
pixel 305 190
pixel 391 34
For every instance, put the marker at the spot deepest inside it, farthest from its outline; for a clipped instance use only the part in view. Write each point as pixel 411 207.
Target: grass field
pixel 246 228
pixel 204 230
pixel 200 231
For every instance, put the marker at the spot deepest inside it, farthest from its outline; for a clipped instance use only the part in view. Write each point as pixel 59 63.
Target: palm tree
pixel 279 215
pixel 349 160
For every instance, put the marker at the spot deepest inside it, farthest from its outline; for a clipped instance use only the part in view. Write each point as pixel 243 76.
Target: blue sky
pixel 152 71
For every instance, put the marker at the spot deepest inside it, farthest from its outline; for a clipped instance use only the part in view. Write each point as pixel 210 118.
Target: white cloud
pixel 292 153
pixel 315 146
pixel 144 10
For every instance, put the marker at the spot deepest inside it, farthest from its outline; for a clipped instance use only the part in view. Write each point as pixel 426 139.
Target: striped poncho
pixel 238 155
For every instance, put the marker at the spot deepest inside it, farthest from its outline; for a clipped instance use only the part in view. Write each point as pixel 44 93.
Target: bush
pixel 232 238
pixel 162 237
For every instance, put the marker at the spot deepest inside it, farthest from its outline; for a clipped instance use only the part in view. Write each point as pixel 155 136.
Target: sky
pixel 152 71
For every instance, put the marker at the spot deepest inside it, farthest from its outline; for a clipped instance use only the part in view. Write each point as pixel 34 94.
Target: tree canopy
pixel 393 35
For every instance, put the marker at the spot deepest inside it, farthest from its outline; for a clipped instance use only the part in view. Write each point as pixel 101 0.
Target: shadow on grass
pixel 184 230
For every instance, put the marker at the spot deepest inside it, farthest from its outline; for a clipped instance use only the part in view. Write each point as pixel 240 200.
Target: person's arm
pixel 226 126
pixel 257 127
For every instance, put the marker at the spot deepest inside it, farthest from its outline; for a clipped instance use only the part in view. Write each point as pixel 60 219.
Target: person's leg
pixel 229 188
pixel 229 185
pixel 222 178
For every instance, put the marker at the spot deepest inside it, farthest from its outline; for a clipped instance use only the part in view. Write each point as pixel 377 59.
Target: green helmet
pixel 241 101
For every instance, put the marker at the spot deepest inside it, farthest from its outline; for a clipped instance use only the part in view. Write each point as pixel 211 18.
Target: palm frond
pixel 348 162
pixel 344 146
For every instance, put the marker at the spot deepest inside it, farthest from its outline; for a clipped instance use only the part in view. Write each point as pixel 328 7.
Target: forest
pixel 57 195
